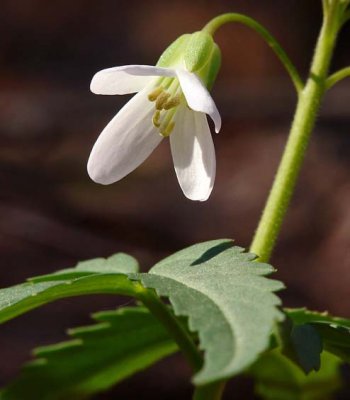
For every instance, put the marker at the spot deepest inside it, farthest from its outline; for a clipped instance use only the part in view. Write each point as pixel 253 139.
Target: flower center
pixel 166 97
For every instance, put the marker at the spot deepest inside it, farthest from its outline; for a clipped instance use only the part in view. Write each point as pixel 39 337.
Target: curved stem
pixel 175 329
pixel 303 123
pixel 337 76
pixel 217 22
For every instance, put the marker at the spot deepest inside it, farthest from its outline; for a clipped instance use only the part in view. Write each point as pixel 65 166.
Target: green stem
pixel 172 324
pixel 303 123
pixel 325 6
pixel 217 22
pixel 337 76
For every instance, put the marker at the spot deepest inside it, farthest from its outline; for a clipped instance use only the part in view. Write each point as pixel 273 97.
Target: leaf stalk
pixel 337 77
pixel 174 327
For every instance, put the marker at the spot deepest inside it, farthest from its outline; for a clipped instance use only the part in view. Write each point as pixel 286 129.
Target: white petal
pixel 197 96
pixel 149 70
pixel 193 153
pixel 126 79
pixel 125 142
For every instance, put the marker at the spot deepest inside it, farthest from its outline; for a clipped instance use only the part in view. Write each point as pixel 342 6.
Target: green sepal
pixel 174 53
pixel 198 51
pixel 209 72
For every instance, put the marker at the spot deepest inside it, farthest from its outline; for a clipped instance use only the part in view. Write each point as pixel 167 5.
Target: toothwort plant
pixel 222 312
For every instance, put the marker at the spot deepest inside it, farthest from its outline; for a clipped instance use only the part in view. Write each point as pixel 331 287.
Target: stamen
pixel 155 93
pixel 161 100
pixel 167 97
pixel 156 119
pixel 172 102
pixel 166 131
pixel 168 123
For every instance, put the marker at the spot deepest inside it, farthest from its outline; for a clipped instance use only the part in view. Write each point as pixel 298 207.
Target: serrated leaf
pixel 227 299
pixel 278 378
pixel 90 277
pixel 122 343
pixel 334 331
pixel 119 263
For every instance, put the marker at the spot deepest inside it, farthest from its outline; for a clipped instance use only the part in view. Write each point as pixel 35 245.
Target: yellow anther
pixel 166 131
pixel 161 100
pixel 172 102
pixel 156 118
pixel 155 93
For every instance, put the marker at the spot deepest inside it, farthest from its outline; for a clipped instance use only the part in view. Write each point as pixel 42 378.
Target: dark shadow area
pixel 213 252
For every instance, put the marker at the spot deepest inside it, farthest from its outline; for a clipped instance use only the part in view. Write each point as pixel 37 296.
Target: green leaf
pixel 119 263
pixel 122 343
pixel 304 316
pixel 227 299
pixel 222 290
pixel 90 277
pixel 308 346
pixel 278 378
pixel 334 331
pixel 302 344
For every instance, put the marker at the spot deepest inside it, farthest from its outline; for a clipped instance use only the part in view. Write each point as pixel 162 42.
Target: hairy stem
pixel 217 22
pixel 293 156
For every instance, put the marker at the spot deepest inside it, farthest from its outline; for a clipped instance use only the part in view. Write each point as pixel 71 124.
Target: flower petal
pixel 126 79
pixel 125 143
pixel 197 96
pixel 193 153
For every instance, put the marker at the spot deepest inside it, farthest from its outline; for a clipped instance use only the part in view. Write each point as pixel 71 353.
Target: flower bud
pixel 196 52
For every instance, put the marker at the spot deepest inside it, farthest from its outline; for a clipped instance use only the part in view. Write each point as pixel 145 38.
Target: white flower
pixel 170 102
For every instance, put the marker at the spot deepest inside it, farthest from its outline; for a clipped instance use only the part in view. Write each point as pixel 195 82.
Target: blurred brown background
pixel 52 215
